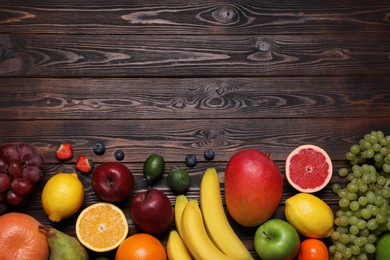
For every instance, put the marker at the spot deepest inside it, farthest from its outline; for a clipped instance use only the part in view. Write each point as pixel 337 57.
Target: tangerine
pixel 313 249
pixel 141 246
pixel 21 239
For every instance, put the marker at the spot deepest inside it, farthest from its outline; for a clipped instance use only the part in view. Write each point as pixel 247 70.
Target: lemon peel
pixel 310 215
pixel 62 196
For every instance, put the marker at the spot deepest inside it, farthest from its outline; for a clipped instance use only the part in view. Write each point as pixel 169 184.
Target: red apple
pixel 112 181
pixel 253 187
pixel 152 211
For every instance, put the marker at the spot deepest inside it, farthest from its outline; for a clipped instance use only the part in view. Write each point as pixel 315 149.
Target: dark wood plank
pixel 182 98
pixel 193 56
pixel 176 138
pixel 193 17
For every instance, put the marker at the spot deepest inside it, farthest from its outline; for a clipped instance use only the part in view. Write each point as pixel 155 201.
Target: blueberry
pixel 190 160
pixel 208 154
pixel 119 155
pixel 99 148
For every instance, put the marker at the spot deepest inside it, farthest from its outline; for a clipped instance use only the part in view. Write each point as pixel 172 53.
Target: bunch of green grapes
pixel 364 212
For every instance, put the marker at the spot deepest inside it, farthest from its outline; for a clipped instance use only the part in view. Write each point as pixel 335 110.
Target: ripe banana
pixel 176 249
pixel 180 204
pixel 216 222
pixel 195 234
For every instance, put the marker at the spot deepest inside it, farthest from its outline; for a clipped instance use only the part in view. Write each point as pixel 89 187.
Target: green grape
pixel 384 151
pixel 373 139
pixel 366 213
pixel 351 196
pixel 355 149
pixel 343 202
pixel 376 147
pixel 386 167
pixel 381 180
pixel 344 238
pixel 372 224
pixel 362 257
pixel 378 158
pixel 343 221
pixel 332 249
pixel 343 172
pixel 363 187
pixel 336 187
pixel 371 238
pixel 355 250
pixel 347 253
pixel 360 241
pixel 361 224
pixel 354 205
pixel 342 193
pixel 335 235
pixel 381 219
pixel 369 153
pixel 340 247
pixel 350 157
pixel 366 145
pixel 374 210
pixel 369 248
pixel 370 197
pixel 362 201
pixel 354 229
pixel 379 201
pixel 352 187
pixel 353 220
pixel 338 256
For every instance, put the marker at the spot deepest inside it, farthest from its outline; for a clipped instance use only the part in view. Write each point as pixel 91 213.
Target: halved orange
pixel 101 227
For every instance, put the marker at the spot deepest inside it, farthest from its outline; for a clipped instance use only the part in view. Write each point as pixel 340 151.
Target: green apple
pixel 276 239
pixel 383 247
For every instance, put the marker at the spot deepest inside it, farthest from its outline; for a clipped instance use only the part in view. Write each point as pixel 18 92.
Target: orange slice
pixel 102 227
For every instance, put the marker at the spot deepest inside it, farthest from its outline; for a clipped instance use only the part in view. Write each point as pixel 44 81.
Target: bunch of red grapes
pixel 20 170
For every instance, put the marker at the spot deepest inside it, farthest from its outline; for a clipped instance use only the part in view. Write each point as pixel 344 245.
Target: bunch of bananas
pixel 204 232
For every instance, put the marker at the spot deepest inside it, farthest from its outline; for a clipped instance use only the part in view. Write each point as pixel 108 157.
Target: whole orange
pixel 21 239
pixel 313 249
pixel 141 246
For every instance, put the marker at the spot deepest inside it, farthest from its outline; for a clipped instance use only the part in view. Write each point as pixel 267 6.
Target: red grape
pixel 10 152
pixel 21 186
pixel 35 160
pixel 5 182
pixel 26 151
pixel 32 173
pixel 14 199
pixel 3 165
pixel 15 170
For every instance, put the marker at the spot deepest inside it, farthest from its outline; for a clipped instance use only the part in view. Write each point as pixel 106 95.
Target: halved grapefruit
pixel 308 168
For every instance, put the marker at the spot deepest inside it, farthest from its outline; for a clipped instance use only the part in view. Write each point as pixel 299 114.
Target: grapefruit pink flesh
pixel 308 168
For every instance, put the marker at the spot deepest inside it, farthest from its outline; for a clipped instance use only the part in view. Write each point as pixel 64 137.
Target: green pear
pixel 63 246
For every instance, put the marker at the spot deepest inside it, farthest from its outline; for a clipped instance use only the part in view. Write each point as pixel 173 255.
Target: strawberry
pixel 84 164
pixel 64 151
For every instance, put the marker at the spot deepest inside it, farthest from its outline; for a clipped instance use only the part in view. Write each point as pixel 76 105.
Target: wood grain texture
pixel 182 98
pixel 176 77
pixel 193 56
pixel 194 17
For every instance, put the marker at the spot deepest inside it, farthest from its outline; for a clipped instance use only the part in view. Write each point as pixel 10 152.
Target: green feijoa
pixel 153 167
pixel 178 180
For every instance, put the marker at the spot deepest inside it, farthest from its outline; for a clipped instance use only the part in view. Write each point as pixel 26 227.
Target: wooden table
pixel 176 77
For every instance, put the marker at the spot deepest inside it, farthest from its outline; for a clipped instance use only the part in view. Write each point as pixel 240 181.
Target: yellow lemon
pixel 62 196
pixel 310 215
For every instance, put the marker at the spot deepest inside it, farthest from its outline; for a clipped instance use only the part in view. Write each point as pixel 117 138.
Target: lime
pixel 153 167
pixel 178 180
